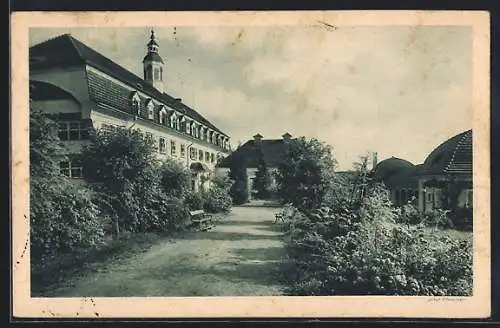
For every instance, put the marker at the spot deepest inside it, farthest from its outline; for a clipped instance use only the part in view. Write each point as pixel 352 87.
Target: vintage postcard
pixel 251 164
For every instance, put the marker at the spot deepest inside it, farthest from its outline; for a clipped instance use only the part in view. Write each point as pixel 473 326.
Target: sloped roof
pixel 454 156
pixel 66 51
pixel 274 151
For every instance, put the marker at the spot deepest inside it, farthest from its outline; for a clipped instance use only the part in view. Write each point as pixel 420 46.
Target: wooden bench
pixel 201 219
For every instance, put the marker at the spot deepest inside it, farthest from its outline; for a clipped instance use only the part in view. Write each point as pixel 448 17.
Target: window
pixel 172 147
pixel 200 155
pixel 157 74
pixel 72 131
pixel 163 114
pixel 207 156
pixel 177 124
pixel 188 127
pixel 72 169
pixel 172 120
pixel 192 153
pixel 162 145
pixel 136 104
pixel 183 150
pixel 212 158
pixel 151 112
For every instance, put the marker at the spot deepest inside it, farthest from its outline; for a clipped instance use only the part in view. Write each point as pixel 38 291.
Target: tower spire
pixel 153 64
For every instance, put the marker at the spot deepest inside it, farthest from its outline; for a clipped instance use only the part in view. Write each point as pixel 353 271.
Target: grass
pixel 452 233
pixel 84 261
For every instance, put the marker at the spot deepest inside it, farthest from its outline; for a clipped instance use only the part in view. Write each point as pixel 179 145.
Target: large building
pixel 82 89
pixel 272 151
pixel 443 180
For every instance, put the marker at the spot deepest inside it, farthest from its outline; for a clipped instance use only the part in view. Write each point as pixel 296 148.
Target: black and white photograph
pixel 255 157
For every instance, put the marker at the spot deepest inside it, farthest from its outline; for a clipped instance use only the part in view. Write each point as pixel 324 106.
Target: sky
pixel 396 90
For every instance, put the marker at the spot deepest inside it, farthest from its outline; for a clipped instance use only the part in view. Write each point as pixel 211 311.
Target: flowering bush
pixel 362 250
pixel 62 218
pixel 217 200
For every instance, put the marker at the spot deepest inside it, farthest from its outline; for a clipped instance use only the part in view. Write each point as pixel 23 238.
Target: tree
pixel 361 179
pixel 306 174
pixel 262 181
pixel 122 165
pixel 238 174
pixel 45 146
pixel 63 216
pixel 175 178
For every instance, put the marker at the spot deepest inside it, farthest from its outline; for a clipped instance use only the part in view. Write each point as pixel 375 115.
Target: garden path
pixel 239 257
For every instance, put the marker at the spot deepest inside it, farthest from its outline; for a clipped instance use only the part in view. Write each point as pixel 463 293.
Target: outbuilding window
pixel 72 131
pixel 71 168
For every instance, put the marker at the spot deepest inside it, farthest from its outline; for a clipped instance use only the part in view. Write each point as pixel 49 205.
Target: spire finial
pixel 152 34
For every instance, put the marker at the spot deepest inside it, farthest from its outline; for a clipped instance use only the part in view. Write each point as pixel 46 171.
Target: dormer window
pixel 205 133
pixel 194 130
pixel 178 122
pixel 162 115
pixel 199 132
pixel 151 110
pixel 172 119
pixel 188 127
pixel 136 103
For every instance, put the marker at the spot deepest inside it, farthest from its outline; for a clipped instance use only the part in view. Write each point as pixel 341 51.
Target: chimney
pixel 257 137
pixel 374 160
pixel 287 136
pixel 178 99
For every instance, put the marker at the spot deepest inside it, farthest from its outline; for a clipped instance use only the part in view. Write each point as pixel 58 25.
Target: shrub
pixel 410 214
pixel 217 200
pixel 122 165
pixel 221 181
pixel 63 217
pixel 176 214
pixel 361 250
pixel 195 201
pixel 174 178
pixel 437 218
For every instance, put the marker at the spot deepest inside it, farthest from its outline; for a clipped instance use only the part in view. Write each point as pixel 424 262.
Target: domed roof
pixel 454 156
pixel 394 172
pixel 390 165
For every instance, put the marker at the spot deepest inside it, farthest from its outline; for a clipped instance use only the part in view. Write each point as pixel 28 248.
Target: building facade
pixel 443 180
pixel 82 90
pixel 272 151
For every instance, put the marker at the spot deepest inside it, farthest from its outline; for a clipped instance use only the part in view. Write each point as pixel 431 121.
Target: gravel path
pixel 239 257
